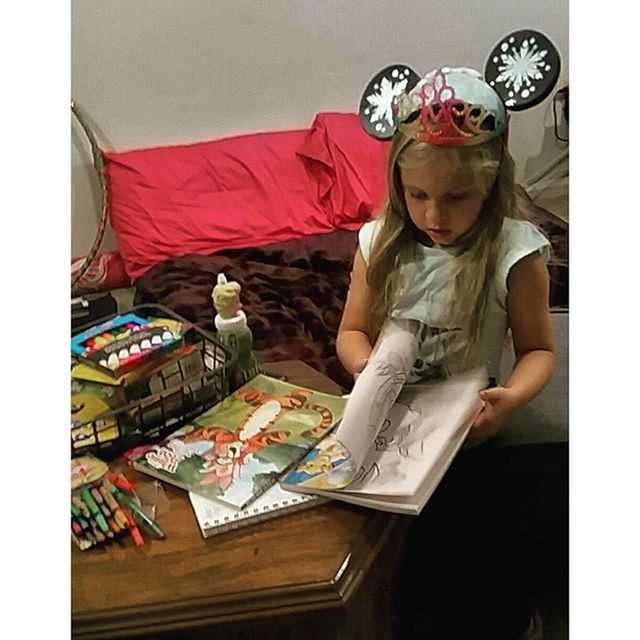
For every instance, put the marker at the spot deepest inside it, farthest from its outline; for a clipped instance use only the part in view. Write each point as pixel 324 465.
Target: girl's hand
pixel 499 404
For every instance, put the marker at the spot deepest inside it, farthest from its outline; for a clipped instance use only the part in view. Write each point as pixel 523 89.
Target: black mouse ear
pixel 523 68
pixel 376 104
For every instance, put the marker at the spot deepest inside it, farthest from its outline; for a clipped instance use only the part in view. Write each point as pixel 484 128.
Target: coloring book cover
pixel 240 447
pixel 415 444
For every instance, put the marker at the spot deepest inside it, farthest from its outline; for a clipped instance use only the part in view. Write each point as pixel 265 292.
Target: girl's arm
pixel 353 343
pixel 531 328
pixel 533 342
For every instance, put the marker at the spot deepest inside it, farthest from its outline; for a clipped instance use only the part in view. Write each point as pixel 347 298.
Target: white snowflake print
pixel 520 66
pixel 383 100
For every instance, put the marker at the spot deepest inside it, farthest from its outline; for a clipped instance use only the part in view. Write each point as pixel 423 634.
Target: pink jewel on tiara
pixel 437 110
pixel 433 113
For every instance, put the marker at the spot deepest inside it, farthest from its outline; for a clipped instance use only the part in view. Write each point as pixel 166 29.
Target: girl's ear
pixel 378 99
pixel 523 69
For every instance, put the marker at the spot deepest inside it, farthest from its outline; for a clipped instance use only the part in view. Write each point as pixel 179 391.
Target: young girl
pixel 447 267
pixel 438 279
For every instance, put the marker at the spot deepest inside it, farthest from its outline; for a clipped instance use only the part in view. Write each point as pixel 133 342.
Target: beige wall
pixel 152 72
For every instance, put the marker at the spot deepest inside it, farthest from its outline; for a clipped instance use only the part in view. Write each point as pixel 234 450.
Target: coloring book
pixel 214 517
pixel 241 446
pixel 417 442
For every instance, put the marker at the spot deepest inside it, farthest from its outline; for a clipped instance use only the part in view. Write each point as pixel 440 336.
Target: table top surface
pixel 309 560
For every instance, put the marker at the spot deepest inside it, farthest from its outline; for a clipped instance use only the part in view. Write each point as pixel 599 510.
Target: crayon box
pixel 105 408
pixel 125 342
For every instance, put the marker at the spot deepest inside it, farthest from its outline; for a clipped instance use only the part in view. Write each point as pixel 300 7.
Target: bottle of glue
pixel 233 330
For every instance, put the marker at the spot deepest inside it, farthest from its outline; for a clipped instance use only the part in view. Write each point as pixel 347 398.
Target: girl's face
pixel 443 202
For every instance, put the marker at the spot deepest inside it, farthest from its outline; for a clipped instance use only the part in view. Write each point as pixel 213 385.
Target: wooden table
pixel 325 572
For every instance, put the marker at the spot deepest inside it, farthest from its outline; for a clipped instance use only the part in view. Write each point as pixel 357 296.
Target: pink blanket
pixel 246 191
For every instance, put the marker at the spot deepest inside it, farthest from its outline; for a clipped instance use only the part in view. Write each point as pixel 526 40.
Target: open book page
pixel 374 393
pixel 417 431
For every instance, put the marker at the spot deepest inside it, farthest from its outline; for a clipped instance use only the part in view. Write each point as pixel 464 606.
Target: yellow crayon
pixel 109 499
pixel 120 518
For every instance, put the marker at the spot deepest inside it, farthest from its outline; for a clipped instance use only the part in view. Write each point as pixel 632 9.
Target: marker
pixel 95 511
pixel 140 515
pixel 133 528
pixel 120 481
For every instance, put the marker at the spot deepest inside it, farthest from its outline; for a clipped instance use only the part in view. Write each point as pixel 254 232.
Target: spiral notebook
pixel 214 517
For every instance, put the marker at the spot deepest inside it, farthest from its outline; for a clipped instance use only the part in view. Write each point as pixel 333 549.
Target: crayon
pixel 118 516
pixel 81 543
pixel 90 537
pixel 83 523
pixel 108 497
pixel 140 515
pixel 99 536
pixel 97 496
pixel 113 525
pixel 133 528
pixel 77 529
pixel 75 511
pixel 85 527
pixel 95 511
pixel 81 505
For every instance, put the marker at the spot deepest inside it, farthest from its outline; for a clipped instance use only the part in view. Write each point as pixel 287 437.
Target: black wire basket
pixel 172 401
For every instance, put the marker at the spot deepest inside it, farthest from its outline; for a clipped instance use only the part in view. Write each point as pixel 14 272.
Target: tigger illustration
pixel 224 451
pixel 231 449
pixel 296 399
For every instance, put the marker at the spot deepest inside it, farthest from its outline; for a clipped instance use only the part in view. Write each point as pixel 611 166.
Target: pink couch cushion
pixel 244 191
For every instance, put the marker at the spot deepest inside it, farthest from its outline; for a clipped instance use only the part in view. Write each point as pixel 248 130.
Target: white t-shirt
pixel 424 294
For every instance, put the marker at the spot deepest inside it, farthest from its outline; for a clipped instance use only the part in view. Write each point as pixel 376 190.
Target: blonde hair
pixel 492 169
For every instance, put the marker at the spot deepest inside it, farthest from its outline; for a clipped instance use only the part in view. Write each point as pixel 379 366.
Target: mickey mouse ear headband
pixel 458 106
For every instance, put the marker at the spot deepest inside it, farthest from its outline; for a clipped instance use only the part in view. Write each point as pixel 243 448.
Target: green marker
pixel 139 514
pixel 95 512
